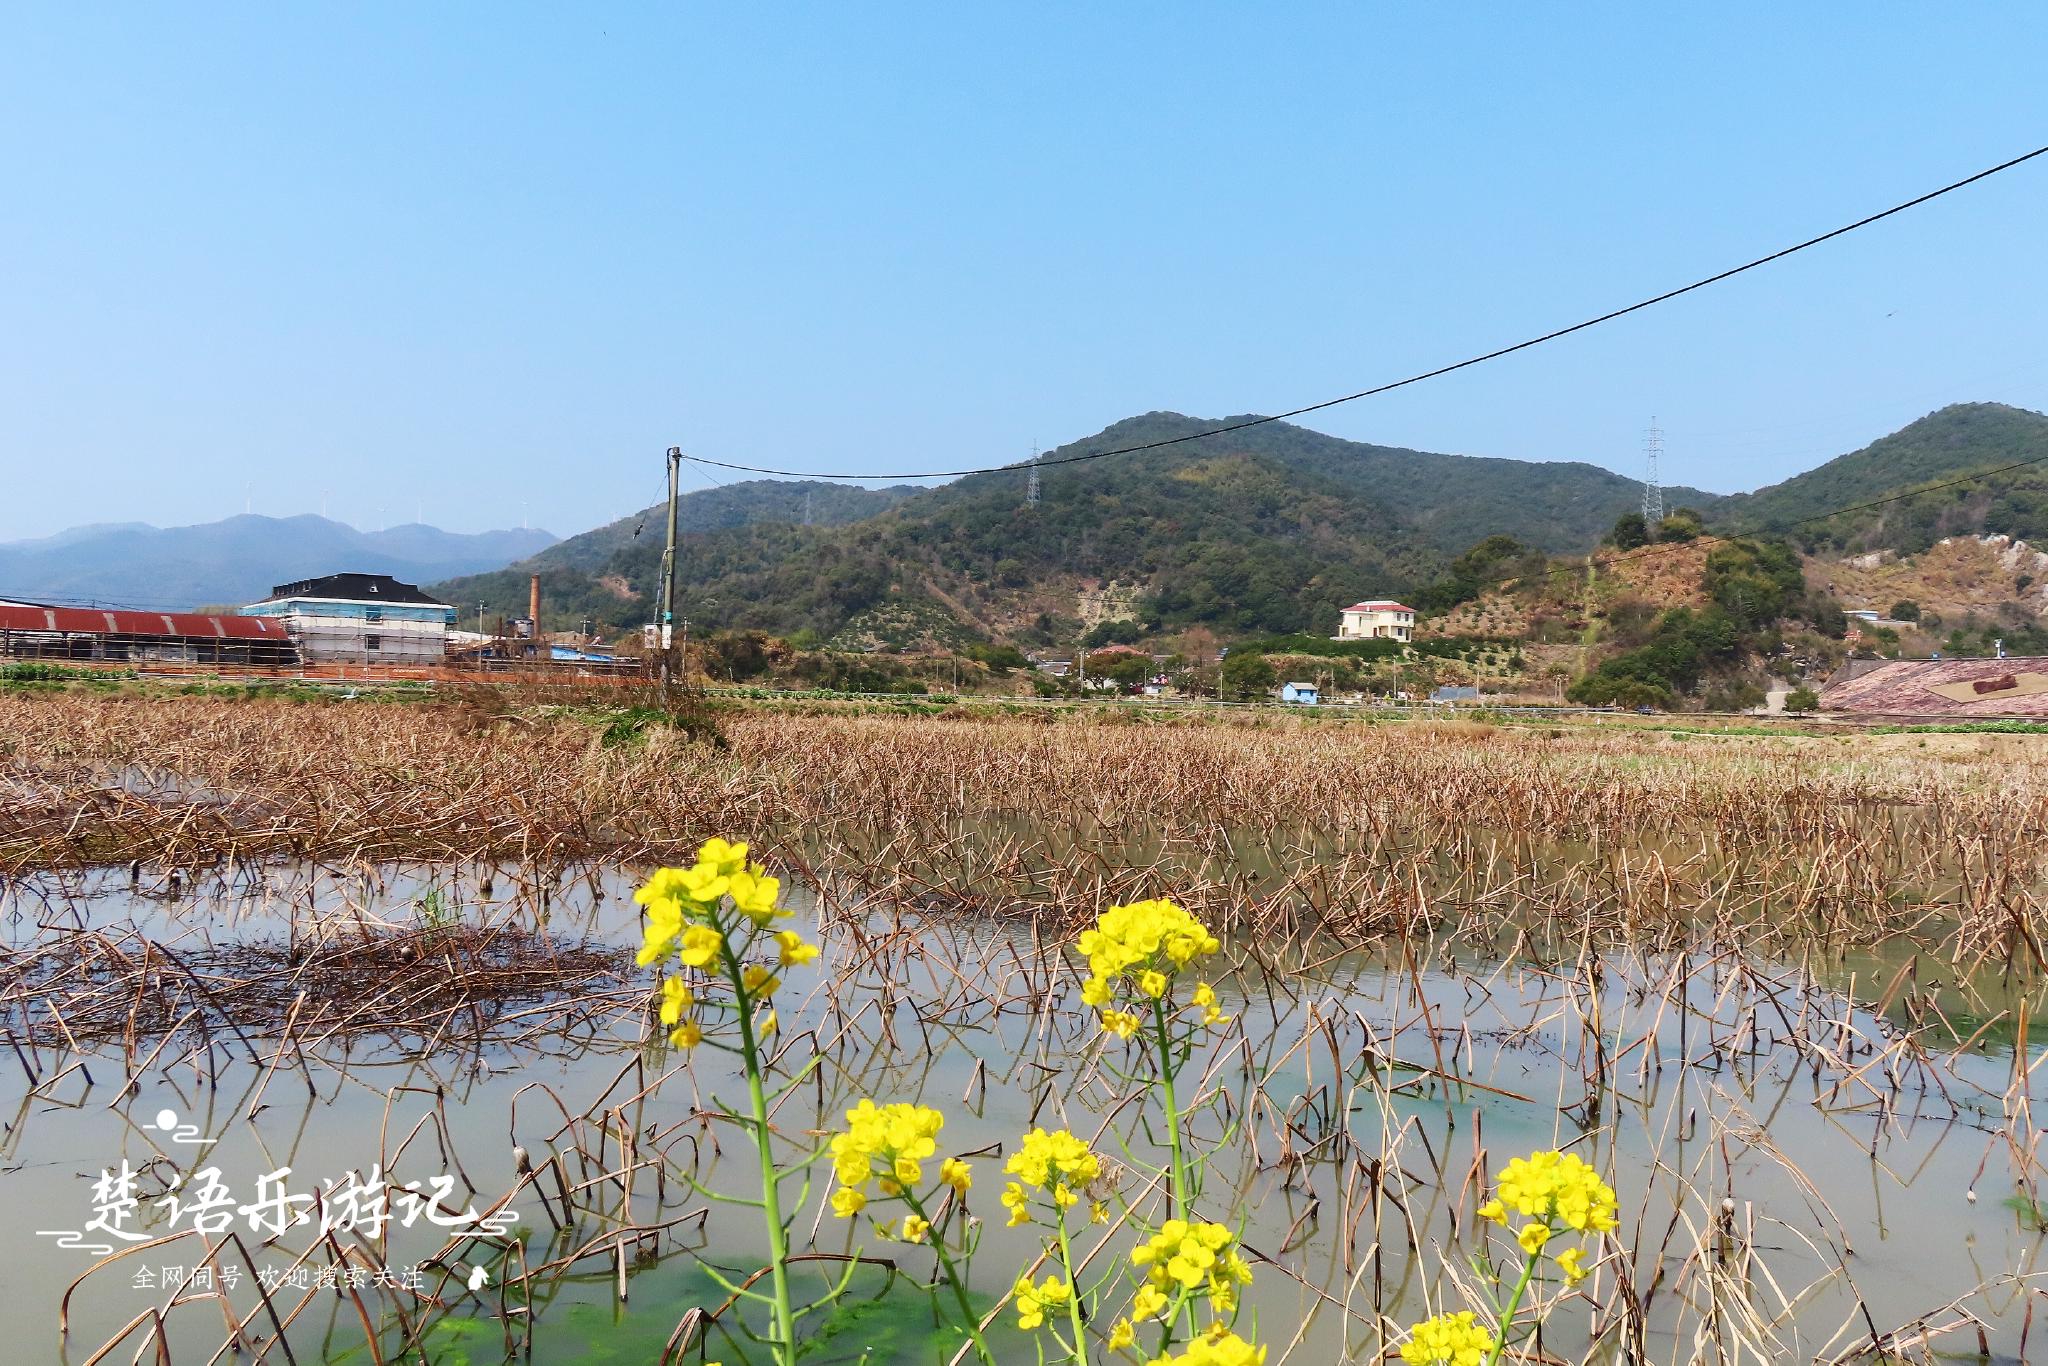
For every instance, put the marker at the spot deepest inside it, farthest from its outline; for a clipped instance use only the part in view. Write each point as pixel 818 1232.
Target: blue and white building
pixel 360 619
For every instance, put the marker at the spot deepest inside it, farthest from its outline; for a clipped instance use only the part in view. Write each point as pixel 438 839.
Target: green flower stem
pixel 1181 1195
pixel 1508 1310
pixel 953 1279
pixel 783 1341
pixel 1073 1288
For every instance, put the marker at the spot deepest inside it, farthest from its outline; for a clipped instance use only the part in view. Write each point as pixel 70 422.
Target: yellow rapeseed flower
pixel 754 893
pixel 676 997
pixel 956 1174
pixel 1121 1023
pixel 1215 1346
pixel 688 1034
pixel 915 1226
pixel 701 944
pixel 1447 1340
pixel 1140 947
pixel 1558 1189
pixel 1205 997
pixel 1055 1157
pixel 722 857
pixel 885 1143
pixel 793 950
pixel 1193 1254
pixel 1558 1193
pixel 1142 935
pixel 847 1202
pixel 664 925
pixel 1033 1300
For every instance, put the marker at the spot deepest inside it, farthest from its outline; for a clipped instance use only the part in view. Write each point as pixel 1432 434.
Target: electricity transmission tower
pixel 1653 490
pixel 1031 483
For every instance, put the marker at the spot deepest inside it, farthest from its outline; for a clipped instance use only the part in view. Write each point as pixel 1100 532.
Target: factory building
pixel 359 619
pixel 104 636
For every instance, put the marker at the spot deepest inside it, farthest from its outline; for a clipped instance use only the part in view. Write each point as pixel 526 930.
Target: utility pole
pixel 668 563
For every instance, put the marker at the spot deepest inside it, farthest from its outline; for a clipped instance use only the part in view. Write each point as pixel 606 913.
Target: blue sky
pixel 487 262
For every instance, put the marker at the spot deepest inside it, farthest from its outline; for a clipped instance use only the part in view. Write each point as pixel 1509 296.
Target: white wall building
pixel 1377 619
pixel 360 619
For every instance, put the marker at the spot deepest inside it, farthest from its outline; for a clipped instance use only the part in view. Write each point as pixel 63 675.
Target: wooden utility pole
pixel 668 566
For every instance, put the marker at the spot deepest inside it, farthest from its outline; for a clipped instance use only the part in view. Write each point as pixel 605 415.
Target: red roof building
pixel 109 634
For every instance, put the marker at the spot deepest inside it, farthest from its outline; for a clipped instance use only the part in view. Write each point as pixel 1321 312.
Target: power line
pixel 1439 371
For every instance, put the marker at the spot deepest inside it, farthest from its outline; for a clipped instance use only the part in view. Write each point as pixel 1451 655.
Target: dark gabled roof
pixel 354 588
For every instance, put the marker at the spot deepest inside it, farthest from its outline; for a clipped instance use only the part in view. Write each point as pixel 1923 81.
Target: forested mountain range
pixel 1269 529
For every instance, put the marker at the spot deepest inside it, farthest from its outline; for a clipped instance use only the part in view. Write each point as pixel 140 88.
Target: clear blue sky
pixel 488 261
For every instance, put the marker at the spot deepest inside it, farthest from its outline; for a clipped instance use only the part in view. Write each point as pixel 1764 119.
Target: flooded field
pixel 1801 1173
pixel 273 1101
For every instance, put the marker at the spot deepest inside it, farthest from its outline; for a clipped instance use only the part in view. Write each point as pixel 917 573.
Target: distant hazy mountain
pixel 239 559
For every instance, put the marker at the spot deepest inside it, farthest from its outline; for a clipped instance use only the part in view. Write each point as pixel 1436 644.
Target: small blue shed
pixel 1301 694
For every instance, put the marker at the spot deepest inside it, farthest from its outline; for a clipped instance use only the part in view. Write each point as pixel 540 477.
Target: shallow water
pixel 1790 1172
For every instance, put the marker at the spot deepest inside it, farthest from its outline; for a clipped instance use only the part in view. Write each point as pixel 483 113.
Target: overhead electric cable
pixel 1439 371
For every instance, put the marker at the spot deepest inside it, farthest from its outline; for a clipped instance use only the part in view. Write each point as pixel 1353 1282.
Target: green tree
pixel 1630 532
pixel 1247 675
pixel 1905 609
pixel 1122 631
pixel 1802 699
pixel 1129 671
pixel 1680 524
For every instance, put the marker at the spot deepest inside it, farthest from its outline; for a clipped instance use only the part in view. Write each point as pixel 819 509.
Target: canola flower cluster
pixel 1185 1257
pixel 686 921
pixel 1140 948
pixel 886 1146
pixel 1557 1193
pixel 1181 1259
pixel 718 918
pixel 1214 1346
pixel 1447 1340
pixel 1053 1161
pixel 1033 1300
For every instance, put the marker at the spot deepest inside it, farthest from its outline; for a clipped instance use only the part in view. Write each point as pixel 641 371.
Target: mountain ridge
pixel 239 558
pixel 1328 518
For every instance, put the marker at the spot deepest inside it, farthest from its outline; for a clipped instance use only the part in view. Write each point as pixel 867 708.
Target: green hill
pixel 1270 529
pixel 1957 441
pixel 581 576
